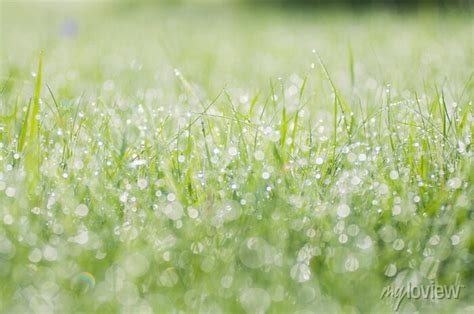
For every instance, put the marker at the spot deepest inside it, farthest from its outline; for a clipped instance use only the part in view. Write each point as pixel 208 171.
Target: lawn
pixel 227 159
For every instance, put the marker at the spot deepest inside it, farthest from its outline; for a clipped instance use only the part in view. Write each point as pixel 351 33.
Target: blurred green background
pixel 341 3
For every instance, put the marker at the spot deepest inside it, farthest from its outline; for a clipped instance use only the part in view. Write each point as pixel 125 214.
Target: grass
pixel 183 159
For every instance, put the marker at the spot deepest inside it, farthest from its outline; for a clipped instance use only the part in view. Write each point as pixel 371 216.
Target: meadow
pixel 221 159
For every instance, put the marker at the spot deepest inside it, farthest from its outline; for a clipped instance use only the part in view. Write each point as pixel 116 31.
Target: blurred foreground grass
pixel 225 160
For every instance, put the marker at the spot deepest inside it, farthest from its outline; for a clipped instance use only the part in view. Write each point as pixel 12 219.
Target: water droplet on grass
pixel 168 278
pixel 173 211
pixel 355 180
pixel 388 233
pixel 365 242
pixel 455 239
pixel 35 255
pixel 197 247
pixel 398 244
pixel 109 85
pixel 306 294
pixel 136 264
pixel 171 197
pixel 390 270
pixel 127 294
pixel 208 264
pixel 343 238
pixel 394 175
pixel 351 264
pixel 252 252
pixel 8 219
pixel 233 151
pixel 434 240
pixel 10 191
pixel 50 253
pixel 255 300
pixel 193 213
pixel 226 281
pixel 396 210
pixel 454 183
pixel 300 272
pixel 81 210
pixel 142 184
pixel 83 282
pixel 82 237
pixel 383 189
pixel 259 155
pixel 343 210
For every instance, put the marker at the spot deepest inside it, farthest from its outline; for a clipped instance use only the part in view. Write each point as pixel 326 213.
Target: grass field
pixel 227 160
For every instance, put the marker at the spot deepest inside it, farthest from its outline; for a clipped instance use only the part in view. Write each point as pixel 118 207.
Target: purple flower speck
pixel 69 28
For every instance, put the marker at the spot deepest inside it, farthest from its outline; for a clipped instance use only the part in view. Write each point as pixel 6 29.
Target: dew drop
pixel 171 197
pixel 300 272
pixel 394 175
pixel 343 210
pixel 255 300
pixel 197 247
pixel 390 270
pixel 83 282
pixel 168 278
pixel 10 192
pixel 455 239
pixel 8 219
pixel 35 255
pixel 355 180
pixel 306 294
pixel 81 210
pixel 142 184
pixel 136 265
pixel 351 264
pixel 362 157
pixel 226 281
pixel 365 243
pixel 193 213
pixel 454 183
pixel 233 151
pixel 343 238
pixel 82 238
pixel 50 253
pixel 259 155
pixel 173 211
pixel 398 244
pixel 388 233
pixel 396 210
pixel 252 252
pixel 383 189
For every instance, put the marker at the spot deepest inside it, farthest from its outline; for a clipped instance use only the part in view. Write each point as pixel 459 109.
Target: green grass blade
pixel 36 101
